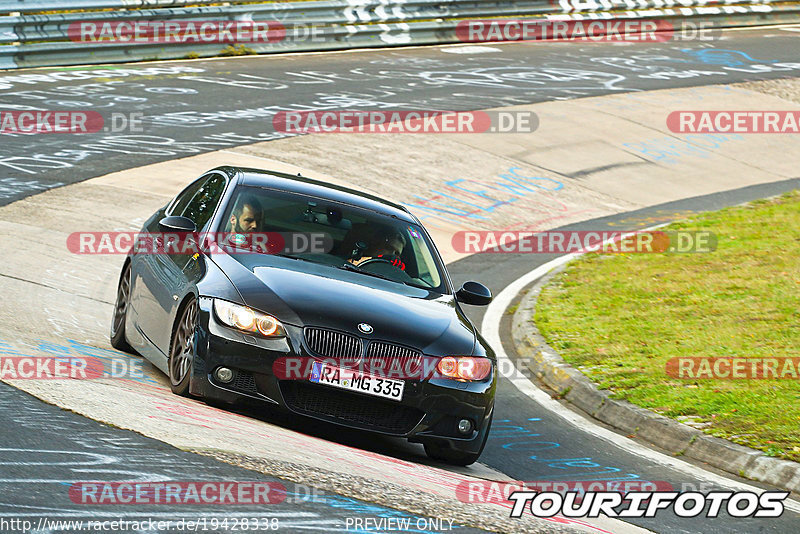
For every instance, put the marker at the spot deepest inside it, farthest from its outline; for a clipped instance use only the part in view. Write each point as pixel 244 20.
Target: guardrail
pixel 32 35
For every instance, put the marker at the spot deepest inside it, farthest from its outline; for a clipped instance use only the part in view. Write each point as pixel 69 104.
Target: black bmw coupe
pixel 347 314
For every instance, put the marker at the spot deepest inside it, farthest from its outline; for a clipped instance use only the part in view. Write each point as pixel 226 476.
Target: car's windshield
pixel 357 239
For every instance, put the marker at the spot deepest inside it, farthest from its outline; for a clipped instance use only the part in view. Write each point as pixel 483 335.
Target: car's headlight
pixel 466 368
pixel 247 319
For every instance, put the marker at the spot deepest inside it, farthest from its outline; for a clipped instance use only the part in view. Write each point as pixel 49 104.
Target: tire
pixel 181 349
pixel 117 336
pixel 437 451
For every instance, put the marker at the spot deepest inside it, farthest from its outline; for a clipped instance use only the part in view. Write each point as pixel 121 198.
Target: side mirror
pixel 176 224
pixel 474 293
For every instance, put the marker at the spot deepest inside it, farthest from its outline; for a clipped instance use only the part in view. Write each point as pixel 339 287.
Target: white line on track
pixel 490 327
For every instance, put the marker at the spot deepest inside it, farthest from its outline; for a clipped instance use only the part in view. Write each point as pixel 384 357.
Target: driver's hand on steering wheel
pixel 360 260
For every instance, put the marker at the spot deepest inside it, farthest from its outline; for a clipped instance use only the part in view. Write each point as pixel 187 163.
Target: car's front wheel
pixel 118 340
pixel 181 352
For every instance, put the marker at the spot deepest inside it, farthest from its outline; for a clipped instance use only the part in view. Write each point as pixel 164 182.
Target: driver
pixel 244 226
pixel 246 216
pixel 388 246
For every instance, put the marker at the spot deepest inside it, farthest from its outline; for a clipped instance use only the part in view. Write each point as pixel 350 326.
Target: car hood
pixel 308 294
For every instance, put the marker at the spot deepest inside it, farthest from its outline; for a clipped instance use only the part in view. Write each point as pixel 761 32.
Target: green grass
pixel 238 50
pixel 619 318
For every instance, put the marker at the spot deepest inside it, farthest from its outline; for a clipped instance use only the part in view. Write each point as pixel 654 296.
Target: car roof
pixel 308 186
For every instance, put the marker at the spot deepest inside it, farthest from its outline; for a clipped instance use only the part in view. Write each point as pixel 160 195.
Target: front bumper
pixel 429 410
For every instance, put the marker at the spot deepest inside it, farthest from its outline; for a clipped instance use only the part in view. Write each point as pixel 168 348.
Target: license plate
pixel 330 375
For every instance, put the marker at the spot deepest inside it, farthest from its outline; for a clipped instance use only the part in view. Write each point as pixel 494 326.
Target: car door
pixel 167 277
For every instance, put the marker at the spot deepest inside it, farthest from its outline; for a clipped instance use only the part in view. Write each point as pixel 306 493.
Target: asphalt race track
pixel 201 106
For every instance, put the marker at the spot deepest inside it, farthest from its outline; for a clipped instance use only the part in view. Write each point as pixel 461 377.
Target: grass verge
pixel 619 318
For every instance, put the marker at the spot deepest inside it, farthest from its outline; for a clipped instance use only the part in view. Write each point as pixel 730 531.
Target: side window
pixel 183 198
pixel 204 201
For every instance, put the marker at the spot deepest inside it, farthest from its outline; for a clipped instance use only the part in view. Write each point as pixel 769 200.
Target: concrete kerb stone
pixel 673 435
pixel 543 362
pixel 774 471
pixel 708 448
pixel 622 416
